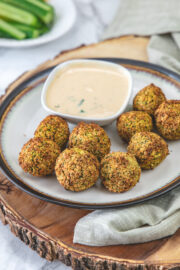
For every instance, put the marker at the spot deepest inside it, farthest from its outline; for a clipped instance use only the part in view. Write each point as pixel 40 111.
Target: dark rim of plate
pixel 27 189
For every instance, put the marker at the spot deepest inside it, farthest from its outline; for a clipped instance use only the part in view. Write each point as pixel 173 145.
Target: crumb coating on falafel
pixel 148 148
pixel 167 118
pixel 129 123
pixel 54 128
pixel 92 138
pixel 77 169
pixel 38 156
pixel 119 171
pixel 148 99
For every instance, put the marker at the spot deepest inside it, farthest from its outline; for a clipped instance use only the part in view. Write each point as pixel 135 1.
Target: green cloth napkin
pixel 157 18
pixel 164 50
pixel 141 223
pixel 158 217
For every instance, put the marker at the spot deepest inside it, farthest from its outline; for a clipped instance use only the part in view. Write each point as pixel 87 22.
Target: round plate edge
pixel 47 198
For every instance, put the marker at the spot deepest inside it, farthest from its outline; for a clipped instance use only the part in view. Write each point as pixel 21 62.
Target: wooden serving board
pixel 48 228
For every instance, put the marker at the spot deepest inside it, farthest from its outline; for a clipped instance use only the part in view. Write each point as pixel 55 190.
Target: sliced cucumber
pixel 28 30
pixel 11 31
pixel 12 13
pixel 31 32
pixel 41 4
pixel 4 35
pixel 42 10
pixel 49 16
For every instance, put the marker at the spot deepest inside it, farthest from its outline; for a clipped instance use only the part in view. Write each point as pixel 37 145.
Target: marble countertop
pixel 93 17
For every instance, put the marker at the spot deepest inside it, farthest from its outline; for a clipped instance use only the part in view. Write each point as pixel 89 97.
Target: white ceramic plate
pixel 21 112
pixel 64 19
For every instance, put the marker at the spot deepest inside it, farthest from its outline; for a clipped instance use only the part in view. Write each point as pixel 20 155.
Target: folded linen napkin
pixel 157 18
pixel 145 18
pixel 141 223
pixel 158 217
pixel 164 50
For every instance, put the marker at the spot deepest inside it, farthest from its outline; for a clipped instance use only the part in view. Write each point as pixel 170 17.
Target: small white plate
pixel 65 16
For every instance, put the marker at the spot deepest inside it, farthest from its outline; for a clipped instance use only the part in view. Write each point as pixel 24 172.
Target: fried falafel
pixel 119 171
pixel 148 148
pixel 167 118
pixel 77 169
pixel 90 137
pixel 148 99
pixel 129 123
pixel 54 128
pixel 38 156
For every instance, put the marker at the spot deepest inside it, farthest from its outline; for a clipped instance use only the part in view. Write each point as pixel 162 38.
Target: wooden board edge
pixel 45 65
pixel 43 244
pixel 27 74
pixel 57 59
pixel 52 249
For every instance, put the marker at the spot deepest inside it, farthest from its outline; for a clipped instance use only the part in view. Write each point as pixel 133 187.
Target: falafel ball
pixel 119 171
pixel 54 128
pixel 38 156
pixel 92 138
pixel 167 117
pixel 148 148
pixel 129 123
pixel 148 99
pixel 77 169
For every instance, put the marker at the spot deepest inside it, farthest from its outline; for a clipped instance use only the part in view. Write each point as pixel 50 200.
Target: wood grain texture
pixel 48 229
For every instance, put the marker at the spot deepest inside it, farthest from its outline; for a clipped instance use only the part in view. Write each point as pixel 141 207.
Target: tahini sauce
pixel 88 90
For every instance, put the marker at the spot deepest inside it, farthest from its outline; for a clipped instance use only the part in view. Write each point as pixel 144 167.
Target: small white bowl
pixel 75 119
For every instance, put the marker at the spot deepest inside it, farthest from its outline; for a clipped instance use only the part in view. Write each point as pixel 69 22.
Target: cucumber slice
pixel 11 31
pixel 43 11
pixel 4 35
pixel 41 4
pixel 28 30
pixel 12 13
pixel 48 16
pixel 31 32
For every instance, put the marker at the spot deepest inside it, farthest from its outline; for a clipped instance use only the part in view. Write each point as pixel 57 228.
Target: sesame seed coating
pixel 119 171
pixel 167 118
pixel 92 138
pixel 38 156
pixel 129 123
pixel 77 169
pixel 54 128
pixel 148 99
pixel 148 148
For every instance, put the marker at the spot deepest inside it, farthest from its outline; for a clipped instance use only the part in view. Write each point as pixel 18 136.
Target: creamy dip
pixel 88 90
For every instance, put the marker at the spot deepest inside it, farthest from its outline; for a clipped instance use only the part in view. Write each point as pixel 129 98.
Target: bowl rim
pixel 81 118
